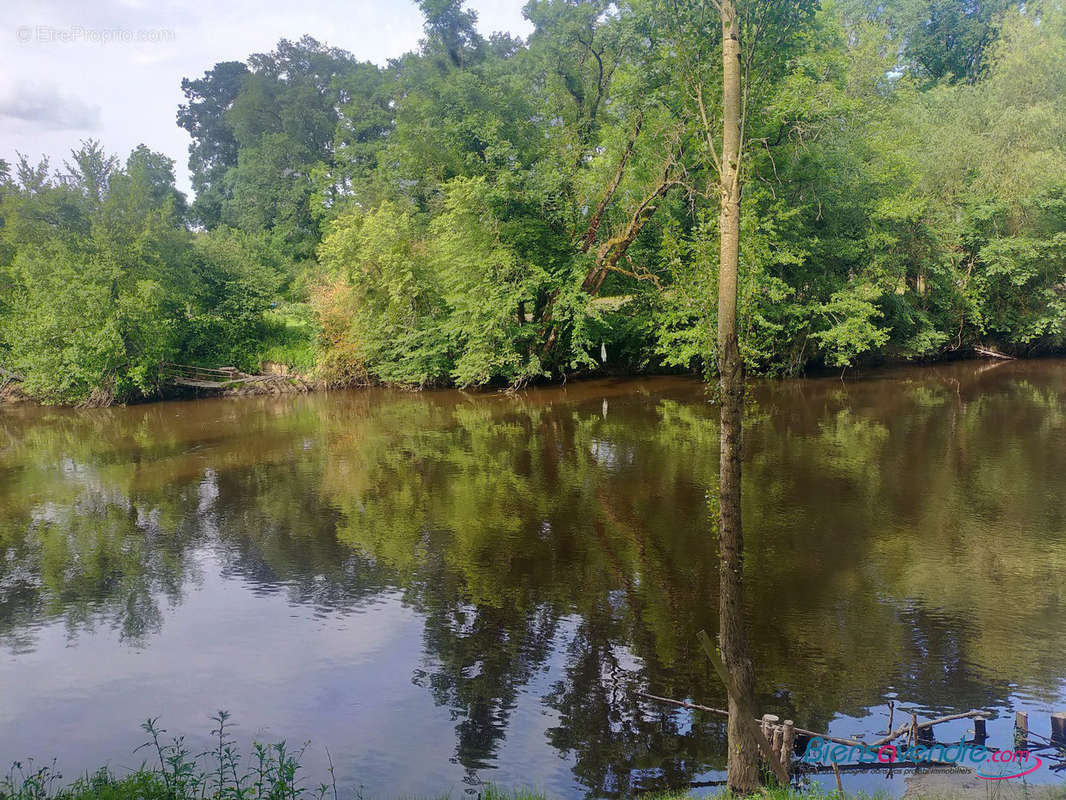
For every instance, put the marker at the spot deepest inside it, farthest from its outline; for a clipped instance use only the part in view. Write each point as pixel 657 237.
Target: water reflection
pixel 521 564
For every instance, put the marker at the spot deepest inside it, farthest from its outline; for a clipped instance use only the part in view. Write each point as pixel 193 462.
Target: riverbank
pixel 23 782
pixel 275 379
pixel 11 392
pixel 170 770
pixel 149 784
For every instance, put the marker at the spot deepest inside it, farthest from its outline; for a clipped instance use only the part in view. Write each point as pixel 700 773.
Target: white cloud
pixel 47 107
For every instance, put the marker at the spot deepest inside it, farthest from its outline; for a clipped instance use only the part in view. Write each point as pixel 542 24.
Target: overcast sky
pixel 112 69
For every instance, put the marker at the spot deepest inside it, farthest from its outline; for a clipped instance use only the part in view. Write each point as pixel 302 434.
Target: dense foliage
pixel 492 210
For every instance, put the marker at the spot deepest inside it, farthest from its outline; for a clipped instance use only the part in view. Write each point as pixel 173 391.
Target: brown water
pixel 448 588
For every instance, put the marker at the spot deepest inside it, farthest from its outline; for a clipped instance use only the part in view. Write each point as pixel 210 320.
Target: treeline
pixel 498 210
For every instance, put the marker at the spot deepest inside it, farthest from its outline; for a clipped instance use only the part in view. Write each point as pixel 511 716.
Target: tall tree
pixel 950 39
pixel 451 30
pixel 768 26
pixel 743 769
pixel 214 148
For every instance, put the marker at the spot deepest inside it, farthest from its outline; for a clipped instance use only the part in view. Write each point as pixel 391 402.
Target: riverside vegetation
pixel 496 210
pixel 272 773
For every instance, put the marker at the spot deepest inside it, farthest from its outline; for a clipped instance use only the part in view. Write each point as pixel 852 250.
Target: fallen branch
pixel 991 353
pixel 900 731
pixel 950 718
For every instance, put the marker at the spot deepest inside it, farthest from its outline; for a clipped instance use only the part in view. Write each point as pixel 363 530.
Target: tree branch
pixel 597 216
pixel 613 249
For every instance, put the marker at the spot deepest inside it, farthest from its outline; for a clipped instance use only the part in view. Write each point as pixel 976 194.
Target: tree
pixel 103 284
pixel 950 39
pixel 743 770
pixel 110 243
pixel 91 171
pixel 214 148
pixel 450 30
pixel 775 19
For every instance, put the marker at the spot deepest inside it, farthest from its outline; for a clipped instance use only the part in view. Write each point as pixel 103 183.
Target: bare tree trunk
pixel 743 749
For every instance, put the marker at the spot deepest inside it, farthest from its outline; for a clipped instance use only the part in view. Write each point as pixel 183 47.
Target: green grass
pixel 789 793
pixel 290 337
pixel 269 772
pixel 150 784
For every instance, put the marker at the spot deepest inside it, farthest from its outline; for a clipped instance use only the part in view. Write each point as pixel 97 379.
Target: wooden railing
pixel 204 377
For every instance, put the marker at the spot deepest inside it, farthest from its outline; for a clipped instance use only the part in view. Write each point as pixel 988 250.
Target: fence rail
pixel 225 378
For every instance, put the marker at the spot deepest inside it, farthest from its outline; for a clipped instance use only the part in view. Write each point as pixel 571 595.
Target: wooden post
pixel 1021 727
pixel 926 735
pixel 980 734
pixel 768 723
pixel 914 729
pixel 1058 727
pixel 788 742
pixel 775 744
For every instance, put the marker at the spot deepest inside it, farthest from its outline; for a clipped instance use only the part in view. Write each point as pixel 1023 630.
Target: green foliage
pixel 214 148
pixel 493 211
pixel 948 39
pixel 289 334
pixel 272 773
pixel 425 306
pixel 850 316
pixel 98 270
pixel 238 278
pixel 105 284
pixel 225 772
pixel 485 289
pixel 380 308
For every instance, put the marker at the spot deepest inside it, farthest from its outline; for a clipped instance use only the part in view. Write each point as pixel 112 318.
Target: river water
pixel 446 588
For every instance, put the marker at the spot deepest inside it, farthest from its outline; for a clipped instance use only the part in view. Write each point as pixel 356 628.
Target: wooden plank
pixel 198 384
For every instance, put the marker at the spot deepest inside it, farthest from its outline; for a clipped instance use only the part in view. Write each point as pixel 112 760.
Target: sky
pixel 112 69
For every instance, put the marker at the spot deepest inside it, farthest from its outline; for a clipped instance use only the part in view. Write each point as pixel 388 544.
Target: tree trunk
pixel 743 774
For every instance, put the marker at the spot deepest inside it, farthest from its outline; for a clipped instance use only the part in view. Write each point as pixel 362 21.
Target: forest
pixel 498 211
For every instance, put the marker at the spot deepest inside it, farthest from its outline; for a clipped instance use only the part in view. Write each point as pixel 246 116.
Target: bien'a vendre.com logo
pixel 992 765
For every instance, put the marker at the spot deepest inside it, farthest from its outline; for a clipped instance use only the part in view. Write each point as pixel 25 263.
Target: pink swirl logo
pixel 1004 764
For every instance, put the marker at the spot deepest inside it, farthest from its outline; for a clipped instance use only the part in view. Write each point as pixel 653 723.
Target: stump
pixel 1021 727
pixel 980 733
pixel 1058 727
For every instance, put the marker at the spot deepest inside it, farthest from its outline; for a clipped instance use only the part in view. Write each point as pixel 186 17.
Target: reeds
pixel 272 773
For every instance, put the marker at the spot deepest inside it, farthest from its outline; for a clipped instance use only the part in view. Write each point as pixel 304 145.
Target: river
pixel 444 588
